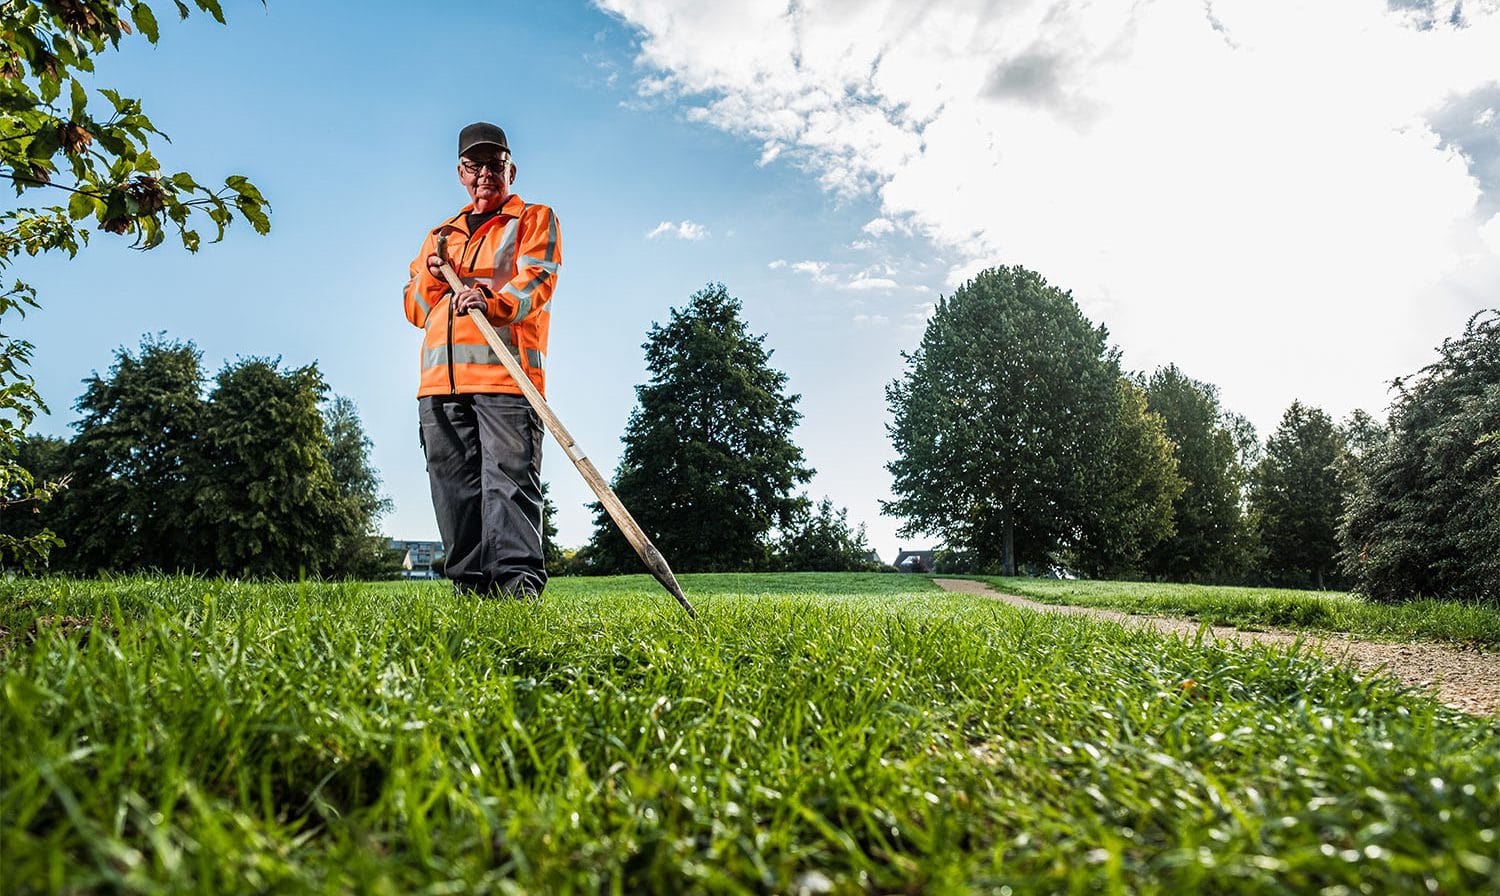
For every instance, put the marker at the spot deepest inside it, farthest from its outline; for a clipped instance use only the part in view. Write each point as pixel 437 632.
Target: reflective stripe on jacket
pixel 515 255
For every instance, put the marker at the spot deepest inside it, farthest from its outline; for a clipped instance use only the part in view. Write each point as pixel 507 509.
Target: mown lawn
pixel 1474 624
pixel 814 733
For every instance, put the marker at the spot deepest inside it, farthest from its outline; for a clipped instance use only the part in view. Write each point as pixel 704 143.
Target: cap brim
pixel 466 149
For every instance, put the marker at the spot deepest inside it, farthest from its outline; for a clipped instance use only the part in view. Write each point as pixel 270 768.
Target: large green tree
pixel 256 478
pixel 359 551
pixel 1003 421
pixel 267 496
pixel 709 466
pixel 136 465
pixel 1132 505
pixel 83 167
pixel 1296 498
pixel 1212 538
pixel 552 552
pixel 1425 517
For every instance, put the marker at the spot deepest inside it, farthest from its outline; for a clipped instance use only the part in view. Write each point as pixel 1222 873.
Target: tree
pixel 1211 542
pixel 135 464
pixel 1133 504
pixel 254 479
pixel 22 493
pixel 552 553
pixel 359 551
pixel 1425 518
pixel 115 181
pixel 709 465
pixel 266 495
pixel 49 129
pixel 1002 420
pixel 1297 498
pixel 26 518
pixel 822 541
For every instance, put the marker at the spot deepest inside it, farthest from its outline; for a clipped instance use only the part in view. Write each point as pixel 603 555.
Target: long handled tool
pixel 628 526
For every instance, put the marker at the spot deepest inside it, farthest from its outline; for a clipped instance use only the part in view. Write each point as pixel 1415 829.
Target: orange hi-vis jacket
pixel 515 255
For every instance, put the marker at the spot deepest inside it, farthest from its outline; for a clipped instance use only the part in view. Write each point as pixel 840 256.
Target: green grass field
pixel 1474 624
pixel 811 733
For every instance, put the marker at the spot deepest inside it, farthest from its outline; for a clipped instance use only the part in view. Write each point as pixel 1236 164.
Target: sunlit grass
pixel 864 732
pixel 1320 611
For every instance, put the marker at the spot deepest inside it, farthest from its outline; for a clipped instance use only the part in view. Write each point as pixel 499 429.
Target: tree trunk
pixel 1008 555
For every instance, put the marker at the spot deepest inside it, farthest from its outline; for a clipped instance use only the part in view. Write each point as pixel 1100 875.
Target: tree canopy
pixel 55 138
pixel 89 167
pixel 1425 517
pixel 709 466
pixel 821 540
pixel 1132 506
pixel 1211 542
pixel 260 476
pixel 1296 497
pixel 1010 428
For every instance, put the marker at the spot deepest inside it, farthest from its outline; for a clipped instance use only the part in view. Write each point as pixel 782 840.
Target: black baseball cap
pixel 478 134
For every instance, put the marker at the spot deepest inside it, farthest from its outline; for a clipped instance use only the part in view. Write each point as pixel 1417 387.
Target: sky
pixel 1290 201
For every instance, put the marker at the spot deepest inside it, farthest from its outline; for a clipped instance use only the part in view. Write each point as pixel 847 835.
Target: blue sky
pixel 1207 186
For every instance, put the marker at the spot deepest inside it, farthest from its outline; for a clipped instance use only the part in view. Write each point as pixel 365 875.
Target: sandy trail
pixel 1468 680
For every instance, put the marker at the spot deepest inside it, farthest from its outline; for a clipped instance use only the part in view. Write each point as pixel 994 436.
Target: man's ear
pixel 513 170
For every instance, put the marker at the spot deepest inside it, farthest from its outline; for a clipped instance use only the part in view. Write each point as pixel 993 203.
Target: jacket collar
pixel 460 222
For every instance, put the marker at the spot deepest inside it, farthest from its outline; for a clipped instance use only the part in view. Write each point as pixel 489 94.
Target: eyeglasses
pixel 497 165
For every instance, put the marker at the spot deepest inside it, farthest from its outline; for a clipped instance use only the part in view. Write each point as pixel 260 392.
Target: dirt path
pixel 1463 679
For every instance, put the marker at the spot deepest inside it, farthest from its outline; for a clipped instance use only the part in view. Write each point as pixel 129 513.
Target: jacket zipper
pixel 452 380
pixel 452 383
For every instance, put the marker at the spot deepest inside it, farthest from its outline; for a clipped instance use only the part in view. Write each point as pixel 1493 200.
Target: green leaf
pixel 255 214
pixel 80 99
pixel 183 181
pixel 80 207
pixel 241 185
pixel 46 143
pixel 145 20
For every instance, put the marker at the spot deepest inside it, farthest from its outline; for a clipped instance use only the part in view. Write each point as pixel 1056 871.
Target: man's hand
pixel 473 297
pixel 435 267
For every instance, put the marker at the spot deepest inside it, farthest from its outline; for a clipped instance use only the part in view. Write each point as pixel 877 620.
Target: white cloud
pixel 683 230
pixel 822 275
pixel 1490 233
pixel 863 281
pixel 879 227
pixel 1276 224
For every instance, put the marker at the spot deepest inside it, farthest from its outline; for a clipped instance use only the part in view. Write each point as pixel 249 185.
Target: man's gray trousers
pixel 484 462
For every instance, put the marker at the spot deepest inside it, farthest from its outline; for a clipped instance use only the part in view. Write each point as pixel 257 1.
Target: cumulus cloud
pixel 1490 233
pixel 863 281
pixel 1194 173
pixel 879 227
pixel 823 274
pixel 682 230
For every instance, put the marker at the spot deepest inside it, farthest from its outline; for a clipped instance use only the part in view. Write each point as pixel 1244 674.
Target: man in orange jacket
pixel 482 440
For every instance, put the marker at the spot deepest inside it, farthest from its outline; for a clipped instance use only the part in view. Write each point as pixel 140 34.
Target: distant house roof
pixel 915 561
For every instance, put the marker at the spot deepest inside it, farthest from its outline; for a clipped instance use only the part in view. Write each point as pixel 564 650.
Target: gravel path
pixel 1468 680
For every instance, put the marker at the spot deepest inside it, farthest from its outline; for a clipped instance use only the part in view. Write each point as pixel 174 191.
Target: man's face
pixel 486 173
